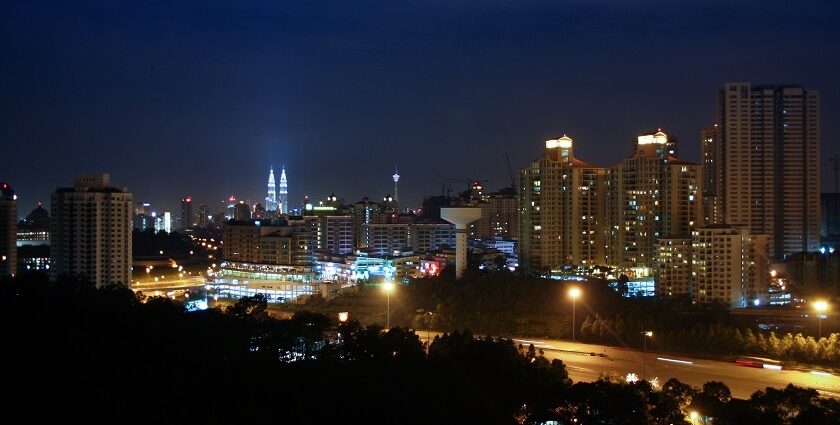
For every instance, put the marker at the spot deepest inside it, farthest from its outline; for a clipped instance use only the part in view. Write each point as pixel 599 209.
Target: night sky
pixel 176 98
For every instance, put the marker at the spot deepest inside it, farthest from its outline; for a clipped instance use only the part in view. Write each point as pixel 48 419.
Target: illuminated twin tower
pixel 273 202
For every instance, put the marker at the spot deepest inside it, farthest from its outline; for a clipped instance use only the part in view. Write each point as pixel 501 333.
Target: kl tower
pixel 396 177
pixel 460 217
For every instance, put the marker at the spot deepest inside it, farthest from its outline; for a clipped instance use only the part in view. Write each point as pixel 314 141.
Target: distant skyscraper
pixel 284 192
pixel 203 218
pixel 8 230
pixel 187 218
pixel 271 199
pixel 242 211
pixel 396 178
pixel 769 163
pixel 91 231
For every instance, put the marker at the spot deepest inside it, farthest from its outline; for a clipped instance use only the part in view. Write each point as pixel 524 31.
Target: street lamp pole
pixel 820 306
pixel 574 293
pixel 645 336
pixel 389 286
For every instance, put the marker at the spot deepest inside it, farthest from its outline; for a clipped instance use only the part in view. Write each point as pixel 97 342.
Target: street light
pixel 428 328
pixel 574 293
pixel 388 287
pixel 645 334
pixel 693 416
pixel 820 306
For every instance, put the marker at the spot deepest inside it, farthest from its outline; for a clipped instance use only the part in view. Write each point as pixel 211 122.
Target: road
pixel 742 381
pixel 149 288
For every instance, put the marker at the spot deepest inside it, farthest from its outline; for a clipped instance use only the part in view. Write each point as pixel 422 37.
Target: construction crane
pixel 447 190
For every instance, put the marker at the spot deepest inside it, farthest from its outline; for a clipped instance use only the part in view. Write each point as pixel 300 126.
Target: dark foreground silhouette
pixel 75 353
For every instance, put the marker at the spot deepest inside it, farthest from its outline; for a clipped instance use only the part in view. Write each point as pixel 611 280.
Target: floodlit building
pixel 283 193
pixel 8 230
pixel 91 231
pixel 729 265
pixel 768 167
pixel 649 195
pixel 561 209
pixel 271 198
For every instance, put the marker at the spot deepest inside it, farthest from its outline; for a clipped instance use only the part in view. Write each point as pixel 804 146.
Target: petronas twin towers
pixel 277 201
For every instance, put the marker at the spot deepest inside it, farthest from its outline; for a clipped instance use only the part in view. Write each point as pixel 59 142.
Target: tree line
pixel 717 339
pixel 74 353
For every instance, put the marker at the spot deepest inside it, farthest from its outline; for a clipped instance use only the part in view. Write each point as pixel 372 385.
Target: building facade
pixel 729 266
pixel 91 231
pixel 673 267
pixel 499 216
pixel 649 195
pixel 769 165
pixel 561 209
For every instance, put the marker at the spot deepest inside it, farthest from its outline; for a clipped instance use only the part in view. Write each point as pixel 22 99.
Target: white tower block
pixel 460 217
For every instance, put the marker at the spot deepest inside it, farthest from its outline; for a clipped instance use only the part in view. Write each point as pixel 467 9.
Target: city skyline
pixel 222 94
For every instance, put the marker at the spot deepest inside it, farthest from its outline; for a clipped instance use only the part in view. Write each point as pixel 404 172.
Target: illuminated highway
pixel 742 381
pixel 149 288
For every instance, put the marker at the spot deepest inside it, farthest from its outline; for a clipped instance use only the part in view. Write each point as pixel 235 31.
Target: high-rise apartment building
pixel 91 231
pixel 711 153
pixel 768 163
pixel 203 218
pixel 673 267
pixel 649 195
pixel 729 265
pixel 499 216
pixel 8 230
pixel 561 209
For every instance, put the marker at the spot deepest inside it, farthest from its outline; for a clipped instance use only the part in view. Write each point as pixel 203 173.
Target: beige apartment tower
pixel 650 195
pixel 91 231
pixel 561 209
pixel 729 266
pixel 765 148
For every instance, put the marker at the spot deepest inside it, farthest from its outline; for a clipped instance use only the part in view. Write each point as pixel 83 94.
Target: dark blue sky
pixel 201 97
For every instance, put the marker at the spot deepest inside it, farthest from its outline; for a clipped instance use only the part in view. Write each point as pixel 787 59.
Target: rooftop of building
pixel 6 191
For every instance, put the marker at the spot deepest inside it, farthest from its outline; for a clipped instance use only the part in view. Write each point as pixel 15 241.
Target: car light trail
pixel 772 366
pixel 674 360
